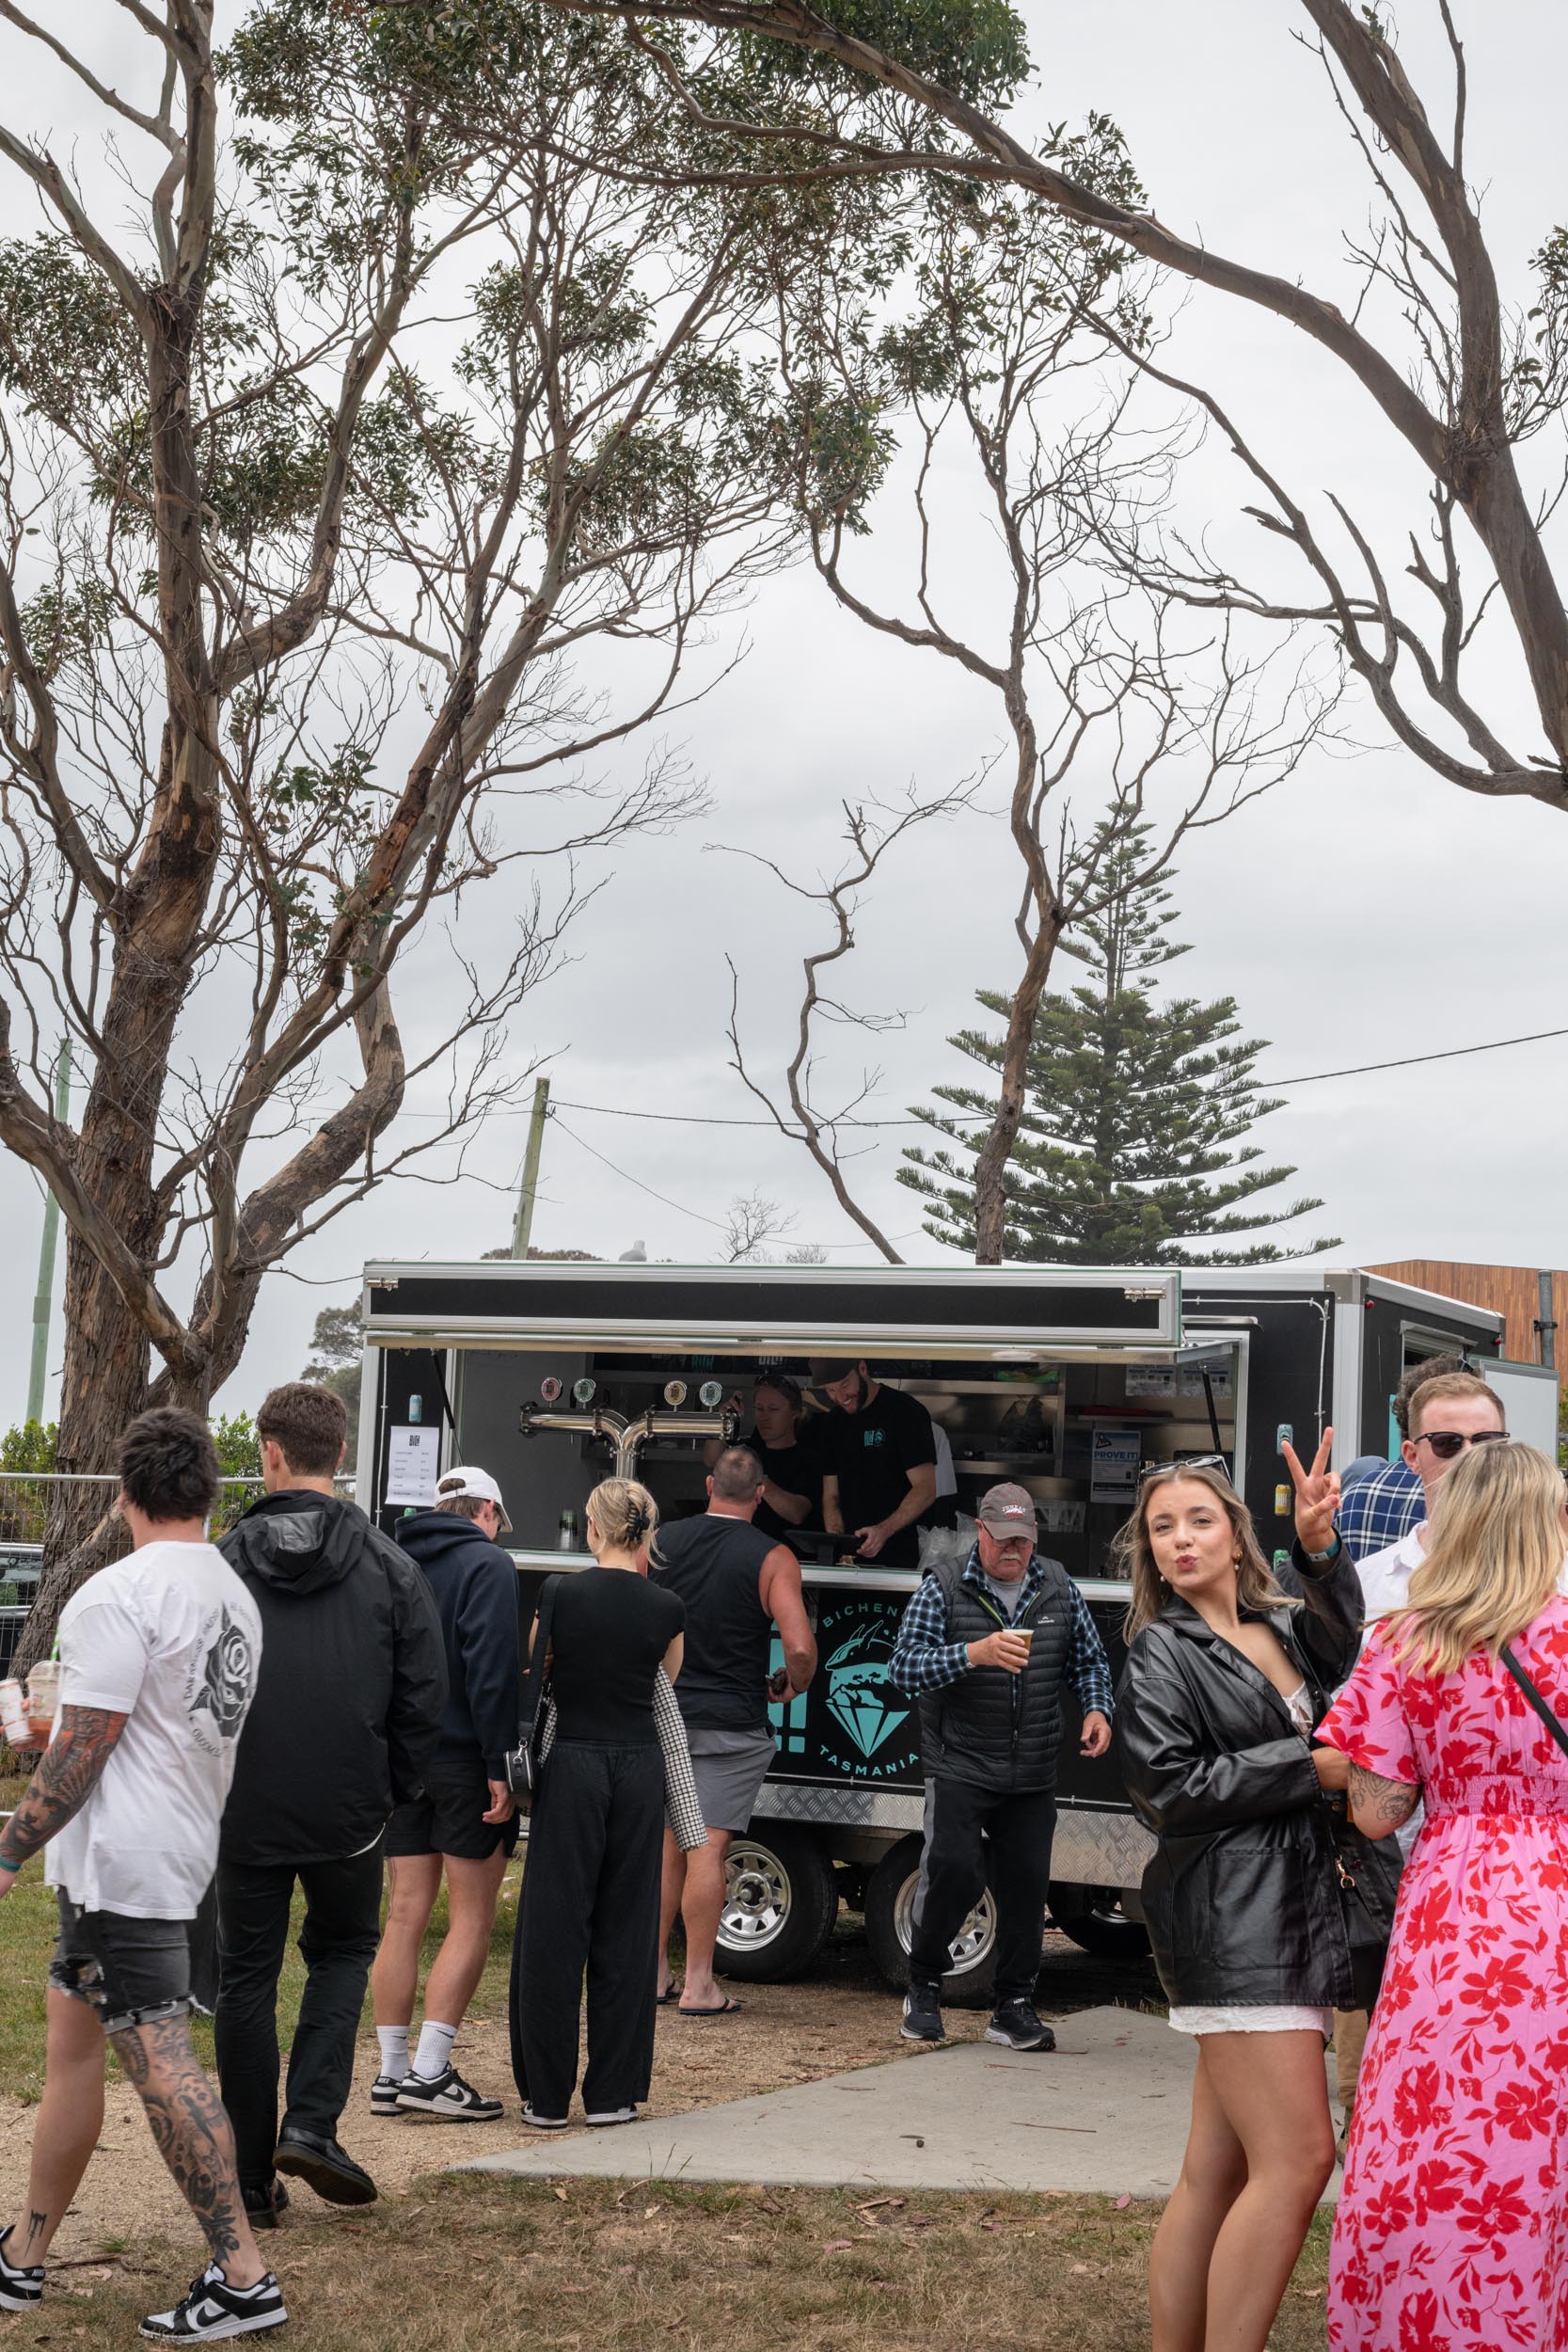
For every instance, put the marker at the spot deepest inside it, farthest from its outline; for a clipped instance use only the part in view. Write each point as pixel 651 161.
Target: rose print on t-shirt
pixel 227 1674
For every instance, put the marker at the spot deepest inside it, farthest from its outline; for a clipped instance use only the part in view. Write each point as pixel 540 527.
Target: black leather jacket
pixel 1241 1898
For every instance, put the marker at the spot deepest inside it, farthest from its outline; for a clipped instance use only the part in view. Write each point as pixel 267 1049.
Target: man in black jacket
pixel 466 1822
pixel 343 1727
pixel 985 1650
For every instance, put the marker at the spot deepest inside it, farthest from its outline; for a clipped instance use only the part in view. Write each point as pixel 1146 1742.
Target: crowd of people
pixel 311 1709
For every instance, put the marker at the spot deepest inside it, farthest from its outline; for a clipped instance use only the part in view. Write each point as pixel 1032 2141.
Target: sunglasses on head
pixel 1449 1444
pixel 1187 1462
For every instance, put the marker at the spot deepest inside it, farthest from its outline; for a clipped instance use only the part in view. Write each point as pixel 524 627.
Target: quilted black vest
pixel 991 1728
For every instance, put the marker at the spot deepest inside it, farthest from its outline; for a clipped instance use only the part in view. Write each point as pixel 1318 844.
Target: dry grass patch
pixel 528 2267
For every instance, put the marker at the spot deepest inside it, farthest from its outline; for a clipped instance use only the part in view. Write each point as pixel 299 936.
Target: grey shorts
pixel 729 1768
pixel 130 1971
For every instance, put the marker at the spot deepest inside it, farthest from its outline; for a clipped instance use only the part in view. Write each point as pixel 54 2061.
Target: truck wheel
pixel 890 1923
pixel 1094 1918
pixel 781 1901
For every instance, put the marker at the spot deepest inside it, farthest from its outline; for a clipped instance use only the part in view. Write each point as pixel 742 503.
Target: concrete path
pixel 1108 2112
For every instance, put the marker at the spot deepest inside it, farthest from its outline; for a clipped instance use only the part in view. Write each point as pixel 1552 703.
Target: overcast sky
pixel 1365 909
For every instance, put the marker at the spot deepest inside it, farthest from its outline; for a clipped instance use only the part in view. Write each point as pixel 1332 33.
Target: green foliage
pixel 30 1448
pixel 975 48
pixel 335 1346
pixel 1131 1143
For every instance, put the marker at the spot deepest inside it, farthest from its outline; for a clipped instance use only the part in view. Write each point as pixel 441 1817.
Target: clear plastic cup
pixel 43 1692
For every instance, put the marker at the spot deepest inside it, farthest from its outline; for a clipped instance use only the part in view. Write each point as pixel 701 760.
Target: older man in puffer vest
pixel 986 1648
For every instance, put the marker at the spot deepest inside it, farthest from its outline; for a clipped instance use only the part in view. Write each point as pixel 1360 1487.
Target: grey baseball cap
pixel 1008 1510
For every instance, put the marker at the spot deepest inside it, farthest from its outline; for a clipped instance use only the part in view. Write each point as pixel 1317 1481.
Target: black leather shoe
pixel 328 2168
pixel 264 2205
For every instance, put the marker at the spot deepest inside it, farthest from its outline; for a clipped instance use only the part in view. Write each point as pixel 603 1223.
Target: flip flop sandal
pixel 726 2009
pixel 666 2000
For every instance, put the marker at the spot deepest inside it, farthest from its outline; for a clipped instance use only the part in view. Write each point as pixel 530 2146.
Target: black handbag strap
pixel 533 1689
pixel 1546 1714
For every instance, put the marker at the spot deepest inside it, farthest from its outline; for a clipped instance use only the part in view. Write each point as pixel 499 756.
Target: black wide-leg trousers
pixel 590 1907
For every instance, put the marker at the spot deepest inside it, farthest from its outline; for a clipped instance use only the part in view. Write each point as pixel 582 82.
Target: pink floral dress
pixel 1452 2229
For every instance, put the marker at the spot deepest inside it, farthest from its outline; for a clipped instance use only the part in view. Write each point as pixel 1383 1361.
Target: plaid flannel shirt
pixel 924 1660
pixel 1380 1510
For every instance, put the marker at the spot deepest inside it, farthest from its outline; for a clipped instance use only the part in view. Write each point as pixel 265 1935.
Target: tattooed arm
pixel 70 1771
pixel 1378 1806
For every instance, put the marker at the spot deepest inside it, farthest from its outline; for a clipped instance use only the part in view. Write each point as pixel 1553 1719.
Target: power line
pixel 1262 1086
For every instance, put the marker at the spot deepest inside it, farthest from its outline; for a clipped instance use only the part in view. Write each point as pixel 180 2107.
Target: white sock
pixel 394 2051
pixel 434 2054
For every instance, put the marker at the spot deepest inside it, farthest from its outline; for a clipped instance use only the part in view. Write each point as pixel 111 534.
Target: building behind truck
pixel 1066 1380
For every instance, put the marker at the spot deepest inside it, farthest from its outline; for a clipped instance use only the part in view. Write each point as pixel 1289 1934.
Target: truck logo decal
pixel 861 1699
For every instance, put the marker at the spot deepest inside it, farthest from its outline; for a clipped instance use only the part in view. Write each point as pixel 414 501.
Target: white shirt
pixel 170 1639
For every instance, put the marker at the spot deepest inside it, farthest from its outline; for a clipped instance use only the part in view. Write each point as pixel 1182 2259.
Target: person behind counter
pixel 880 1479
pixel 1226 1673
pixel 790 1449
pixel 591 1889
pixel 985 1650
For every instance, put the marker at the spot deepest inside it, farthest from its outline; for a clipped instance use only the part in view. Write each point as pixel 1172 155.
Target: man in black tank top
pixel 736 1585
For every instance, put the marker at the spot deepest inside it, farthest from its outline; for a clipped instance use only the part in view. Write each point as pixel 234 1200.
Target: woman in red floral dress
pixel 1452 2229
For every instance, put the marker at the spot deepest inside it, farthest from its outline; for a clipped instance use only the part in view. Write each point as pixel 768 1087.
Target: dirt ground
pixel 842 2016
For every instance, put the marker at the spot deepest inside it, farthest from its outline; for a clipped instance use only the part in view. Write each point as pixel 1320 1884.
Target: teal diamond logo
pixel 861 1699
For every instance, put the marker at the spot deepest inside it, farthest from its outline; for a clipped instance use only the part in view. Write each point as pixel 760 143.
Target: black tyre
pixel 1094 1918
pixel 890 1893
pixel 780 1904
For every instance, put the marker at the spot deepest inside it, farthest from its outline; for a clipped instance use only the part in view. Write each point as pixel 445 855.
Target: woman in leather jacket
pixel 1228 1670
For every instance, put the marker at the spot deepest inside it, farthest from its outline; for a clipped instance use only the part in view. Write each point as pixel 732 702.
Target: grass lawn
pixel 520 2263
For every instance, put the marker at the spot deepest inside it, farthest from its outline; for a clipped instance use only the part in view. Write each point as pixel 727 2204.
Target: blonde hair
pixel 625 1513
pixel 1442 1384
pixel 1133 1554
pixel 1493 1560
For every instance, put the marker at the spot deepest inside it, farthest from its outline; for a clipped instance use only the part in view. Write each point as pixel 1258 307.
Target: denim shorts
pixel 130 1971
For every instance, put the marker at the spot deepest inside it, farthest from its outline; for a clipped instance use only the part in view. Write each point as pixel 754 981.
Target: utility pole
pixel 524 1225
pixel 43 1300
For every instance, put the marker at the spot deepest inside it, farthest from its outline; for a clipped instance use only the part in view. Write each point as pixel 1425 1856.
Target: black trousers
pixel 952 1878
pixel 337 1941
pixel 590 1905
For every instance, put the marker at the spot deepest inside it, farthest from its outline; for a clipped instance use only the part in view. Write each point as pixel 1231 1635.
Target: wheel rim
pixel 756 1900
pixel 969 1948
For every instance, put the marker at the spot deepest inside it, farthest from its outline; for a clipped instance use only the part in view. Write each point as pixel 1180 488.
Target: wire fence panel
pixel 24 1504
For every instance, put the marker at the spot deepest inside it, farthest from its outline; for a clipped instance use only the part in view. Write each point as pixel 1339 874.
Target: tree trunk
pixel 990 1169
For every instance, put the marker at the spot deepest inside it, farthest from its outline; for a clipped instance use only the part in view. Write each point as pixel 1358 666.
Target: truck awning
pixel 1006 1315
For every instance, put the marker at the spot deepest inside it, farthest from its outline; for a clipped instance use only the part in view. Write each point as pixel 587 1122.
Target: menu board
pixel 413 1464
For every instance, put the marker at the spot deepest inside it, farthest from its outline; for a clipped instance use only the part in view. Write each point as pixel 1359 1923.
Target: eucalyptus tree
pixel 377 435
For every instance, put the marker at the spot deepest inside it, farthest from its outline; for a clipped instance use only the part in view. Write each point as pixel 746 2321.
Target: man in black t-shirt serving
pixel 880 1456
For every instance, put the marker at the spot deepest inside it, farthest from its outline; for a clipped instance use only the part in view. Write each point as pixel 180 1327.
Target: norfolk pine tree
pixel 1132 1146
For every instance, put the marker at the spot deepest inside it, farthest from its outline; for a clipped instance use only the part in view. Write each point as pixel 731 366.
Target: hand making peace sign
pixel 1317 1496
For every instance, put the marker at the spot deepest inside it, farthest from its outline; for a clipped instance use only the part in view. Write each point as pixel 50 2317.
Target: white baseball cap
pixel 478 1483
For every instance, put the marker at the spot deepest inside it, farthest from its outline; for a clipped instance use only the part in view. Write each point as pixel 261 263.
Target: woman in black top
pixel 1228 1672
pixel 596 1840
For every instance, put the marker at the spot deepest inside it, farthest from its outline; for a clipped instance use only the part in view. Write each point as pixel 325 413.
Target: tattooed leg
pixel 70 2120
pixel 194 2137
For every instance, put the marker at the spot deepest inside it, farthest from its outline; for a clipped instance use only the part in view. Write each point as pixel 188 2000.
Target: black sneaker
pixel 446 2098
pixel 601 2118
pixel 384 2093
pixel 213 2310
pixel 922 2016
pixel 262 2207
pixel 330 2171
pixel 542 2122
pixel 1017 2028
pixel 20 2286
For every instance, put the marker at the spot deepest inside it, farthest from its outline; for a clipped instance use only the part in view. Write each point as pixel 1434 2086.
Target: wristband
pixel 1319 1558
pixel 9 1865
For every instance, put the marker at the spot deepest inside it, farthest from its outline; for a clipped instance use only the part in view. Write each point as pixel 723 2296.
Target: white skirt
pixel 1254 2018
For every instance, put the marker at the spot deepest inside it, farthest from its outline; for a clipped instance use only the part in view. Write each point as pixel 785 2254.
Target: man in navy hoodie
pixel 466 1823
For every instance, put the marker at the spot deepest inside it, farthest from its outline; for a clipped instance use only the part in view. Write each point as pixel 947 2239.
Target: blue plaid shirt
pixel 1380 1510
pixel 924 1660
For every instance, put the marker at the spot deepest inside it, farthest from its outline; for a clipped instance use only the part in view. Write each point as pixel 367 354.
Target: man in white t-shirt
pixel 158 1661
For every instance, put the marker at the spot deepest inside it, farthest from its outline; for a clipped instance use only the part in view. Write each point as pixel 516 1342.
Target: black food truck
pixel 553 1375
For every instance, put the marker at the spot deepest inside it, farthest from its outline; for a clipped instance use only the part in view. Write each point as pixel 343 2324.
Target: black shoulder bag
pixel 525 1763
pixel 1546 1714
